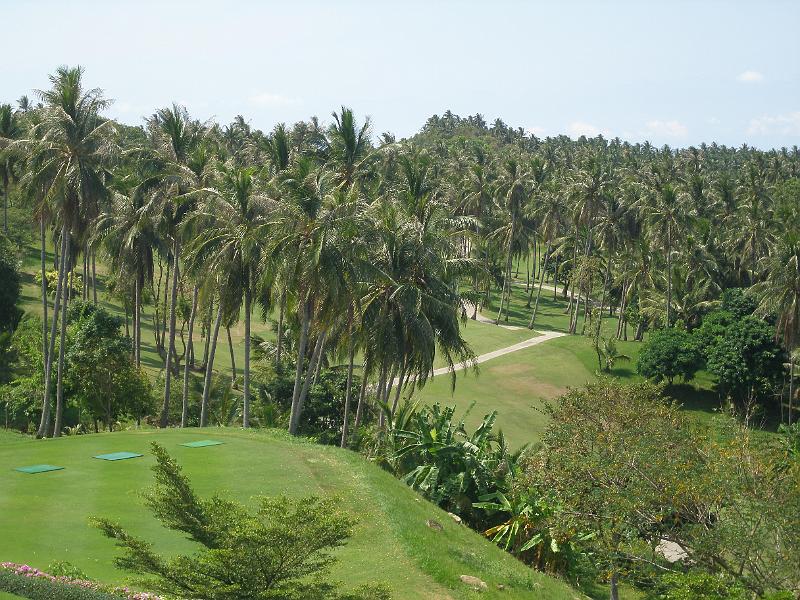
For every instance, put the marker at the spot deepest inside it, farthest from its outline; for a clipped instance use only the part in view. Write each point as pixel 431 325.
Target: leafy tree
pixel 746 361
pixel 10 289
pixel 102 378
pixel 669 353
pixel 283 550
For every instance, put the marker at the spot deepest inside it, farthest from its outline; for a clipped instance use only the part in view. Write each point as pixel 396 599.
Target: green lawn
pixel 44 517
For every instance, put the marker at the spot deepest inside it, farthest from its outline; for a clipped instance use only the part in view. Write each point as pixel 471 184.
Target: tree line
pixel 368 250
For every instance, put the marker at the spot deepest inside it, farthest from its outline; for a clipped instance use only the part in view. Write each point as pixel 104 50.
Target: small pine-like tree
pixel 282 550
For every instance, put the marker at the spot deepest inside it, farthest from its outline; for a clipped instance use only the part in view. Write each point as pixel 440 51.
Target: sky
pixel 675 72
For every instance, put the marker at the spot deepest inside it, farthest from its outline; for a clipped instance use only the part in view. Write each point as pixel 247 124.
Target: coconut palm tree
pixel 69 150
pixel 779 294
pixel 177 145
pixel 10 130
pixel 233 238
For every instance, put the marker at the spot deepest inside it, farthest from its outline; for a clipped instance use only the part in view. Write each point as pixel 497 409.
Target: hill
pixel 44 517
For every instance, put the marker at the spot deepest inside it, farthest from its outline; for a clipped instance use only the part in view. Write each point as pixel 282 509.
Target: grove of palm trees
pixel 185 274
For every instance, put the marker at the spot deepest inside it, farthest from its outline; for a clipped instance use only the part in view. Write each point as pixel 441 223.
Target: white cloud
pixel 268 99
pixel 578 128
pixel 750 77
pixel 536 130
pixel 670 129
pixel 714 121
pixel 786 124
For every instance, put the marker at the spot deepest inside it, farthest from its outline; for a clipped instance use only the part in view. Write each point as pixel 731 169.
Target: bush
pixel 697 586
pixel 669 353
pixel 10 289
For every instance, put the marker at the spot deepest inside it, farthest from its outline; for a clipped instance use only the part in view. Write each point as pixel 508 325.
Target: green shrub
pixel 669 353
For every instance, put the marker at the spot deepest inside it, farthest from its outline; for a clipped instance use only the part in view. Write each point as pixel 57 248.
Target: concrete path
pixel 484 319
pixel 542 337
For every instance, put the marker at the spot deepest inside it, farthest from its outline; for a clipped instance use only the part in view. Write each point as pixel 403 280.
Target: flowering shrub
pixel 30 582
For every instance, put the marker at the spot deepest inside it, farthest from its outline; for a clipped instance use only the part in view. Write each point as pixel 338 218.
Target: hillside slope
pixel 44 517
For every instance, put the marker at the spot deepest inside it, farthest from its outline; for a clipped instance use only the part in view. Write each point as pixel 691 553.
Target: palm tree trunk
pixel 85 274
pixel 279 346
pixel 606 280
pixel 348 390
pixel 791 386
pixel 207 324
pixel 316 358
pixel 361 396
pixel 5 208
pixel 210 368
pixel 305 323
pixel 137 319
pixel 186 364
pixel 233 358
pixel 65 260
pixel 94 279
pixel 171 349
pixel 543 270
pixel 507 278
pixel 44 423
pixel 669 273
pixel 399 386
pixel 246 408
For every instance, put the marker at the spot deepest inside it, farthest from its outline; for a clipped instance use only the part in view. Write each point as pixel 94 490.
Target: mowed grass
pixel 45 517
pixel 519 384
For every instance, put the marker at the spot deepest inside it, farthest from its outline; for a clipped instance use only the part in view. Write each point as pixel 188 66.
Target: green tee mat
pixel 202 443
pixel 38 469
pixel 118 456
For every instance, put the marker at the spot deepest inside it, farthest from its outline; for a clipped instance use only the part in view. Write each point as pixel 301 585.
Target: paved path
pixel 543 337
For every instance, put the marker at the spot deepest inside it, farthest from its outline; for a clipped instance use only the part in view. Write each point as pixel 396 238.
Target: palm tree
pixel 348 148
pixel 667 214
pixel 549 214
pixel 305 240
pixel 184 162
pixel 9 130
pixel 513 192
pixel 235 228
pixel 779 294
pixel 69 149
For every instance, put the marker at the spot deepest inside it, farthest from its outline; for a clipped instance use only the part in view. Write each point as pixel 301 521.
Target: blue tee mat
pixel 118 456
pixel 38 469
pixel 202 443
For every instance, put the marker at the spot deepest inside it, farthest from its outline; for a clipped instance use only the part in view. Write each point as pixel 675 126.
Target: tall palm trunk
pixel 362 394
pixel 348 390
pixel 171 348
pixel 316 358
pixel 5 207
pixel 606 279
pixel 791 386
pixel 44 423
pixel 137 319
pixel 233 357
pixel 246 383
pixel 66 261
pixel 542 271
pixel 210 368
pixel 669 273
pixel 186 364
pixel 279 346
pixel 507 278
pixel 94 279
pixel 305 323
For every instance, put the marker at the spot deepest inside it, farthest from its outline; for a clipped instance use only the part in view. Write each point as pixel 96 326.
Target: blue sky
pixel 677 72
